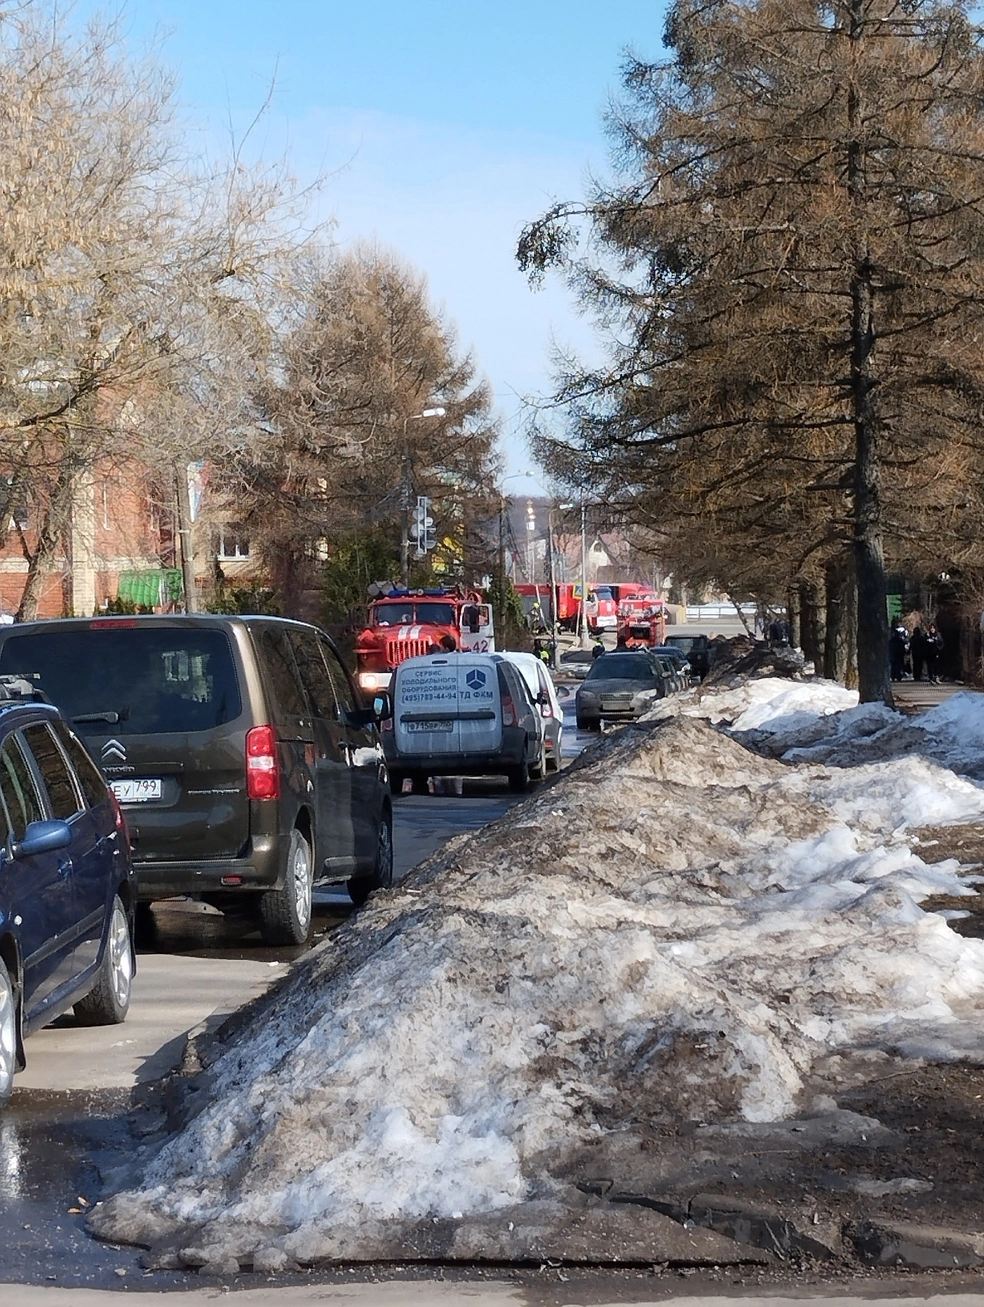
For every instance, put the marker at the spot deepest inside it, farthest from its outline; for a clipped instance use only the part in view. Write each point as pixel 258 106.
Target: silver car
pixel 543 692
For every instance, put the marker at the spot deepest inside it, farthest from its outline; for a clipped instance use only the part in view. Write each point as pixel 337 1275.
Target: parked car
pixel 679 660
pixel 619 686
pixel 576 663
pixel 544 695
pixel 463 714
pixel 247 764
pixel 696 649
pixel 67 891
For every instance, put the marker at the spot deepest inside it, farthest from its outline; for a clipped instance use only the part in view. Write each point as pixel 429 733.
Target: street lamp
pixel 582 621
pixel 436 412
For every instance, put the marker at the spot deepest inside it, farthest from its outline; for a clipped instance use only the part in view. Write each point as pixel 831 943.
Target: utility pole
pixel 553 588
pixel 182 503
pixel 585 639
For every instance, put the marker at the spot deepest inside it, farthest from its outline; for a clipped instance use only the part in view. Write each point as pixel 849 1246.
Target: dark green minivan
pixel 243 756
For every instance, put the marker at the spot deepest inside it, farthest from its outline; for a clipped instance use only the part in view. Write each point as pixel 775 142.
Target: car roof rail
pixel 20 688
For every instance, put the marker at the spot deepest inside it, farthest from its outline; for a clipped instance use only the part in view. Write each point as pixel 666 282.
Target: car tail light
pixel 508 710
pixel 262 771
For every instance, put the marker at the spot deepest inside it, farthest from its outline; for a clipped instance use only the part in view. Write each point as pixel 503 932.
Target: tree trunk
pixel 874 683
pixel 51 531
pixel 39 568
pixel 793 616
pixel 836 641
pixel 813 621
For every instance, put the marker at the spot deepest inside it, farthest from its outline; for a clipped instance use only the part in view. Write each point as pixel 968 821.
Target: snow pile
pixel 771 703
pixel 679 929
pixel 817 723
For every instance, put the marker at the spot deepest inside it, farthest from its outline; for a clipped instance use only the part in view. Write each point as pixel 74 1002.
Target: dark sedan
pixel 66 887
pixel 618 687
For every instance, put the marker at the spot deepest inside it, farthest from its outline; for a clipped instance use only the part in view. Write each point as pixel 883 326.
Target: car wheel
pixel 285 914
pixel 360 887
pixel 396 782
pixel 8 1035
pixel 418 785
pixel 589 724
pixel 108 1001
pixel 519 778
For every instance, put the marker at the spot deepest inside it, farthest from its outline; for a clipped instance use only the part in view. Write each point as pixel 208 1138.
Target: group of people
pixel 919 652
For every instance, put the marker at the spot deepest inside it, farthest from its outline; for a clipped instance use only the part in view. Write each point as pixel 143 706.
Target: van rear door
pixel 426 707
pixel 159 706
pixel 447 705
pixel 479 704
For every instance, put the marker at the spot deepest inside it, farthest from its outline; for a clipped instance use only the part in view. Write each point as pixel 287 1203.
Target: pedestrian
pixel 898 647
pixel 933 649
pixel 598 650
pixel 917 647
pixel 623 641
pixel 779 633
pixel 449 644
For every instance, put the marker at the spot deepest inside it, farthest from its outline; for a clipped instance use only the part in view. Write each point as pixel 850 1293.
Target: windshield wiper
pixel 111 717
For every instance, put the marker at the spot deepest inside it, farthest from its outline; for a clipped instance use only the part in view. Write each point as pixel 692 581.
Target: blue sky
pixel 444 128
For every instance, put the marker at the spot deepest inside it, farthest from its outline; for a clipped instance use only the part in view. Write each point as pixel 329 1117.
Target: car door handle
pixel 64 866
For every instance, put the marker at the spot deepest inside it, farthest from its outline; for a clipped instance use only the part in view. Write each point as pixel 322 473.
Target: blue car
pixel 67 891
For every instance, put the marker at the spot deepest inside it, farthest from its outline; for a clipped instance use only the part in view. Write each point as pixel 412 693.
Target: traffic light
pixel 422 528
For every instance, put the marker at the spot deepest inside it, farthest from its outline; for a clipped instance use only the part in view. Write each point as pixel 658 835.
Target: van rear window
pixel 131 681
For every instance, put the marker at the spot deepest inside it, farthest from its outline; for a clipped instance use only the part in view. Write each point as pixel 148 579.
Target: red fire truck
pixel 642 619
pixel 602 609
pixel 407 623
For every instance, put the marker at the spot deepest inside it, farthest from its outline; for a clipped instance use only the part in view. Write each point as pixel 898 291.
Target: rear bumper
pixel 511 754
pixel 260 869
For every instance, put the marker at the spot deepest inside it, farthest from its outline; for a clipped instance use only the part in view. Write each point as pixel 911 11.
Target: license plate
pixel 143 791
pixel 430 726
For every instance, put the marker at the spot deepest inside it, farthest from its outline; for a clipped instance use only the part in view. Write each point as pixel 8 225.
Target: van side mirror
pixel 41 837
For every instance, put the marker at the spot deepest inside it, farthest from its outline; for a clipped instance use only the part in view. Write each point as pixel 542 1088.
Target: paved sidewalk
pixel 920 696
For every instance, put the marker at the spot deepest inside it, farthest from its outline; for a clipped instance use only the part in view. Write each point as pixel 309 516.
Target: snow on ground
pixel 821 722
pixel 679 928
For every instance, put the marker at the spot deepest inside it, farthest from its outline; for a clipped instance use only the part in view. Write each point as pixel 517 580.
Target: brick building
pixel 120 527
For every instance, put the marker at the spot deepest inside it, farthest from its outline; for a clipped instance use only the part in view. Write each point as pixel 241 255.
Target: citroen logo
pixel 113 749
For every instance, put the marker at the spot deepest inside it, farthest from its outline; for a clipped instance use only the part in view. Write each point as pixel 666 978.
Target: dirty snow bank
pixel 822 723
pixel 679 929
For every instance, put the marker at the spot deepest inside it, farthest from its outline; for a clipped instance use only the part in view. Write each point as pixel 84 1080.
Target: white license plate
pixel 430 726
pixel 137 791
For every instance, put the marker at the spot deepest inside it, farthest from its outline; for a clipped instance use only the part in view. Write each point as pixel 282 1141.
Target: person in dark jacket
pixel 918 647
pixel 933 649
pixel 898 647
pixel 597 650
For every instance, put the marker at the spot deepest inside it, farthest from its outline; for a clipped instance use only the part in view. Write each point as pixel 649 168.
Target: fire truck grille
pixel 398 650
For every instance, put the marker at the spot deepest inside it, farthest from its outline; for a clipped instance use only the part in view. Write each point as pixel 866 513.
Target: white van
pixel 462 714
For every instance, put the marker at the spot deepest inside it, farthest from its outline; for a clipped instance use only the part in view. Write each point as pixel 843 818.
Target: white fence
pixel 718 612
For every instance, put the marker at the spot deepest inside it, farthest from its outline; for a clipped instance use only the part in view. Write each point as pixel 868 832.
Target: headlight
pixel 587 696
pixel 374 680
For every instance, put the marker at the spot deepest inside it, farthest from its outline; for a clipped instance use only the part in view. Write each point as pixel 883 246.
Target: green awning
pixel 152 588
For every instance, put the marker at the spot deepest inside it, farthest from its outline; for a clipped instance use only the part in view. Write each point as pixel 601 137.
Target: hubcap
pixel 121 964
pixel 8 1036
pixel 302 884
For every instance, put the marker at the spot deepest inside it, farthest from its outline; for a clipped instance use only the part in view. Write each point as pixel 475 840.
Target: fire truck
pixel 407 623
pixel 642 619
pixel 602 614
